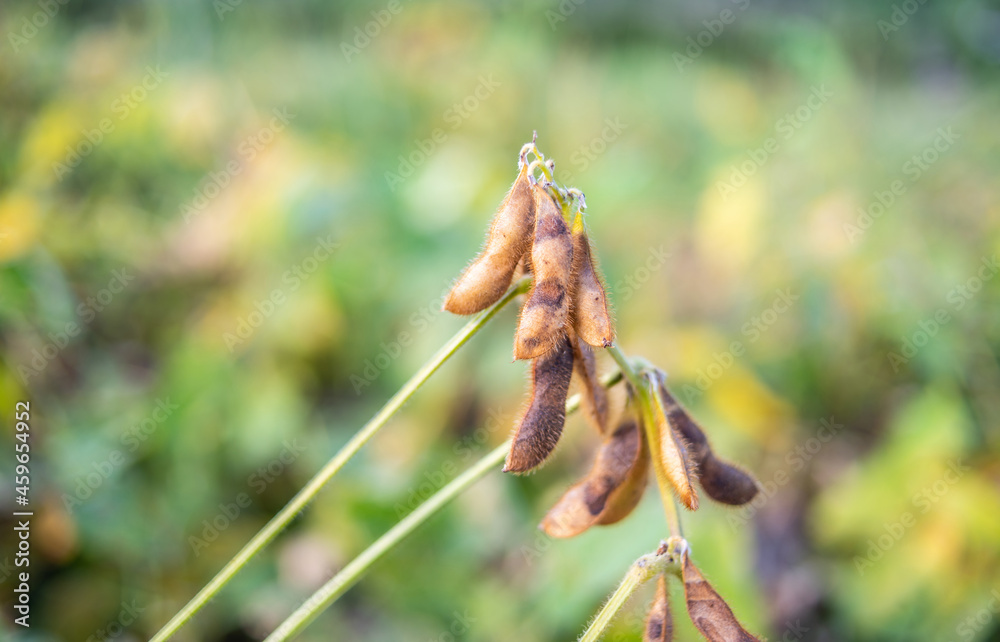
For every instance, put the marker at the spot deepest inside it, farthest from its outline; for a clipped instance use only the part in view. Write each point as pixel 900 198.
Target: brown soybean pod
pixel 709 612
pixel 490 274
pixel 659 623
pixel 628 494
pixel 594 396
pixel 585 502
pixel 542 423
pixel 591 316
pixel 546 311
pixel 722 481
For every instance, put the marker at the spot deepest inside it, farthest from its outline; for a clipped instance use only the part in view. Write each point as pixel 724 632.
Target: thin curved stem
pixel 355 570
pixel 332 467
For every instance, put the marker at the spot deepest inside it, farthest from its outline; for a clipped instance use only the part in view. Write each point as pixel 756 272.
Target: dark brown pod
pixel 722 481
pixel 659 623
pixel 591 316
pixel 594 396
pixel 546 311
pixel 609 486
pixel 709 612
pixel 542 423
pixel 490 274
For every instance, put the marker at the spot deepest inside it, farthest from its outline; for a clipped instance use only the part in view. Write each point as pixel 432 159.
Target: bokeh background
pixel 220 222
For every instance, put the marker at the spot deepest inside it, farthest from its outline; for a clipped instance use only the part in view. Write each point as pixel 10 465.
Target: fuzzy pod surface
pixel 724 482
pixel 490 274
pixel 709 612
pixel 546 311
pixel 542 424
pixel 591 315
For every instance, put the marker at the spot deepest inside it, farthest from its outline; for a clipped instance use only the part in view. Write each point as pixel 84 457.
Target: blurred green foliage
pixel 815 184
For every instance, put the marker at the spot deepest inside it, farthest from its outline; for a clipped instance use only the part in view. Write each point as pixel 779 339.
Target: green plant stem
pixel 642 570
pixel 355 570
pixel 645 400
pixel 332 467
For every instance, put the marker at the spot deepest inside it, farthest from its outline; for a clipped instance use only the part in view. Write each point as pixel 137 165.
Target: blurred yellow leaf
pixel 19 214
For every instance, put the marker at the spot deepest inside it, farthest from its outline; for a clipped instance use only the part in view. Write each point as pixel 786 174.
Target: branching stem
pixel 332 467
pixel 355 569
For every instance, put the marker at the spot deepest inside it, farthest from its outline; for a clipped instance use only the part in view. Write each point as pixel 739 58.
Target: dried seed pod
pixel 627 496
pixel 591 317
pixel 594 396
pixel 542 423
pixel 709 612
pixel 722 481
pixel 609 486
pixel 727 483
pixel 488 277
pixel 659 623
pixel 546 311
pixel 675 455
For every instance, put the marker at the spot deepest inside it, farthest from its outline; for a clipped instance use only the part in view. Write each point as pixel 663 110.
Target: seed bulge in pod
pixel 542 423
pixel 591 316
pixel 659 623
pixel 488 277
pixel 724 482
pixel 709 612
pixel 545 312
pixel 584 504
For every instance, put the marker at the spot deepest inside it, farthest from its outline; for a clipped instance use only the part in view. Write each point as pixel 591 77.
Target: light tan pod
pixel 488 277
pixel 545 313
